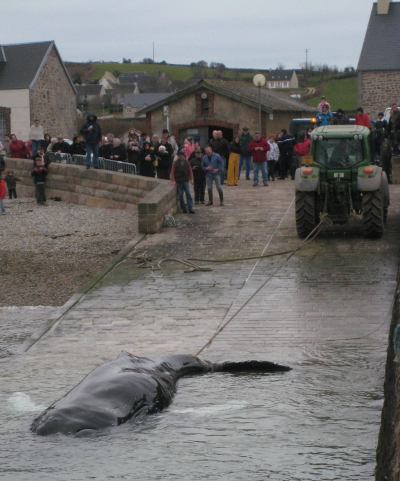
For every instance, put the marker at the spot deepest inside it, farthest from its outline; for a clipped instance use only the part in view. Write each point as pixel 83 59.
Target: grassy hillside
pixel 180 73
pixel 340 94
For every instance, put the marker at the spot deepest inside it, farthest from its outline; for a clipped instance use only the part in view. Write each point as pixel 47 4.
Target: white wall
pixel 18 101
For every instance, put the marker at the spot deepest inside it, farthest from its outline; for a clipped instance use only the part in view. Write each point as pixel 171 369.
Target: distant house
pixel 34 83
pixel 135 102
pixel 117 92
pixel 107 79
pixel 210 105
pixel 282 79
pixel 379 64
pixel 89 95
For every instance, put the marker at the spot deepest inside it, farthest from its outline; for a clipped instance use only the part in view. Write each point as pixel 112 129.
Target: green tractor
pixel 337 179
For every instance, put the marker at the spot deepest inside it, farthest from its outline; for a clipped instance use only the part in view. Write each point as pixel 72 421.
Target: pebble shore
pixel 48 252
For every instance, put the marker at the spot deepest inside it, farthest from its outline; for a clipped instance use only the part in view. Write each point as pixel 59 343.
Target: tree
pixel 76 78
pixel 202 64
pixel 116 73
pixel 280 66
pixel 147 60
pixel 126 60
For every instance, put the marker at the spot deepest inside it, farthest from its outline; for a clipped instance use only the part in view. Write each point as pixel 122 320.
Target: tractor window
pixel 338 153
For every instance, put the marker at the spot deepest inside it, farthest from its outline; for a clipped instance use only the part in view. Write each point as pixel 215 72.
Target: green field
pixel 340 94
pixel 174 72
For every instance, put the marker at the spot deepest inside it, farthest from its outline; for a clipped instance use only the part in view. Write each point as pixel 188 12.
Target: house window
pixel 3 125
pixel 278 84
pixel 272 85
pixel 128 110
pixel 285 84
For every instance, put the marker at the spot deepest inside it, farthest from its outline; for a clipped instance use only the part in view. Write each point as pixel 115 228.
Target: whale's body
pixel 127 387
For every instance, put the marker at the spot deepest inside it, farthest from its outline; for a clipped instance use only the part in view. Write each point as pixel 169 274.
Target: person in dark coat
pixel 61 147
pixel 146 160
pixel 341 118
pixel 78 146
pixel 220 146
pixel 133 153
pixel 117 151
pixel 39 177
pixel 286 143
pixel 11 181
pixel 164 153
pixel 92 132
pixel 199 177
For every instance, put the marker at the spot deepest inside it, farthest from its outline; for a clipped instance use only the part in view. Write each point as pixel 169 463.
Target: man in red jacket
pixel 362 119
pixel 18 149
pixel 259 148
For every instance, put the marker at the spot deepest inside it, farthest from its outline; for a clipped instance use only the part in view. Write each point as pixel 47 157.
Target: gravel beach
pixel 48 253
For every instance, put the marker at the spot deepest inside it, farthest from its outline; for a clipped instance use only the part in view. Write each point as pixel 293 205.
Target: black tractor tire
pixel 306 215
pixel 373 213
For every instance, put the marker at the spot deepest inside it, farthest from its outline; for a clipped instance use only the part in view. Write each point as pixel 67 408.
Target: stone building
pixel 379 64
pixel 227 106
pixel 34 83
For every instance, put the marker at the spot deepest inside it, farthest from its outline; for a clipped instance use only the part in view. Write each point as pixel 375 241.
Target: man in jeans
pixel 181 174
pixel 259 148
pixel 92 132
pixel 213 166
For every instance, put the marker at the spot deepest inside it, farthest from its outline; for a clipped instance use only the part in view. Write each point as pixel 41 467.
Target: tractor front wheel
pixel 373 213
pixel 306 215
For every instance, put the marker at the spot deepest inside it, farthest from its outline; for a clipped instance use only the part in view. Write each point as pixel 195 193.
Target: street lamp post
pixel 259 81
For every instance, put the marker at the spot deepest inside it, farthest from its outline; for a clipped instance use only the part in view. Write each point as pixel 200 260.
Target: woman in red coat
pixel 18 149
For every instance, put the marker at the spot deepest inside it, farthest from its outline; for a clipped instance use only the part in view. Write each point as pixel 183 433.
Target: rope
pixel 311 236
pixel 169 221
pixel 143 260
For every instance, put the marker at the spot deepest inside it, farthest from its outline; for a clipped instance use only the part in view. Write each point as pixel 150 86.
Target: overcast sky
pixel 246 33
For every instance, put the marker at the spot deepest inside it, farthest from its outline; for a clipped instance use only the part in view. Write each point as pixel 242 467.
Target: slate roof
pixel 91 89
pixel 280 75
pixel 242 92
pixel 23 64
pixel 140 100
pixel 380 50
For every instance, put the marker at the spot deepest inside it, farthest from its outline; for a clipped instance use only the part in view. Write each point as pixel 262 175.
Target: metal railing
pixel 105 164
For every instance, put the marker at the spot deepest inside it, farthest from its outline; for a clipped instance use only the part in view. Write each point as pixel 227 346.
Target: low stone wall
pixel 153 198
pixel 388 449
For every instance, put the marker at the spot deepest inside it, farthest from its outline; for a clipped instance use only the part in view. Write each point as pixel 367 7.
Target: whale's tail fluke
pixel 249 366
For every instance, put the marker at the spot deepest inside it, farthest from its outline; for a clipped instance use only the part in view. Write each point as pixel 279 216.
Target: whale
pixel 129 387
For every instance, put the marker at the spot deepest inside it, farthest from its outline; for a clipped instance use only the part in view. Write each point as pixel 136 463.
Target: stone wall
pixel 53 100
pixel 153 198
pixel 379 89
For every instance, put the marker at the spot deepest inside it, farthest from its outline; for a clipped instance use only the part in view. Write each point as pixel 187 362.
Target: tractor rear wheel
pixel 306 216
pixel 373 215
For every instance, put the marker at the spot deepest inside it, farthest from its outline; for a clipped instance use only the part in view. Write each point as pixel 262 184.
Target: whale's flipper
pixel 249 366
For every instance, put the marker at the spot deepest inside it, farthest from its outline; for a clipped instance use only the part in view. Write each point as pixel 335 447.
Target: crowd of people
pixel 220 162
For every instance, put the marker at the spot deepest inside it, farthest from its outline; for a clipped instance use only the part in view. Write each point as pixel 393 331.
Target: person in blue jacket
pixel 324 117
pixel 92 132
pixel 213 165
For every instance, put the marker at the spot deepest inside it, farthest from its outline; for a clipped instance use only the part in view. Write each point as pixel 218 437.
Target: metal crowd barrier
pixel 60 158
pixel 105 164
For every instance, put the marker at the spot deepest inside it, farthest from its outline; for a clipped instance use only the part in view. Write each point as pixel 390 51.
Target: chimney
pixel 383 7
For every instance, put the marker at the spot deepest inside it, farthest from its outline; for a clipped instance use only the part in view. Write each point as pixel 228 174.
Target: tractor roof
pixel 337 131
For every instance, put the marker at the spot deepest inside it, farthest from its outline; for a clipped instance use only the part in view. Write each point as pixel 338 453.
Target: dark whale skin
pixel 127 387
